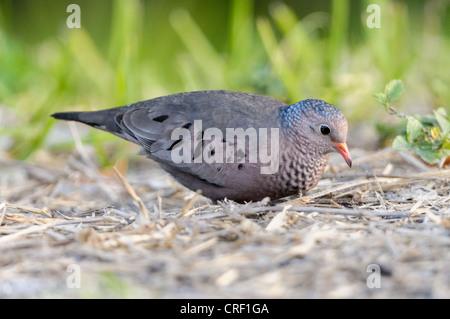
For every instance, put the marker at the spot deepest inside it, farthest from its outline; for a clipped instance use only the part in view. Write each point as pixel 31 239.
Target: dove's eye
pixel 325 129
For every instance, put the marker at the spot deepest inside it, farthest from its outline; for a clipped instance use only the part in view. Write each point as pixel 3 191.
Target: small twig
pixel 377 182
pixel 27 209
pixel 204 246
pixel 374 156
pixel 337 189
pixel 308 209
pixel 79 146
pixel 43 227
pixel 392 111
pixel 279 220
pixel 411 160
pixel 132 193
pixel 88 162
pixel 428 175
pixel 26 231
pixel 2 216
pixel 186 208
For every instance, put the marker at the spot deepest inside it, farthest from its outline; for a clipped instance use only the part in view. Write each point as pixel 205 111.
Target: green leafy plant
pixel 428 136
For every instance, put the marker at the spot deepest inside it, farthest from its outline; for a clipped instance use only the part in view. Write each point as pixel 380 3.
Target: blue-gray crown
pixel 293 113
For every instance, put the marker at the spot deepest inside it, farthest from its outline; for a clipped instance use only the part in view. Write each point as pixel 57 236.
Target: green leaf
pixel 413 129
pixel 381 97
pixel 400 143
pixel 394 90
pixel 443 121
pixel 428 153
pixel 427 120
pixel 446 144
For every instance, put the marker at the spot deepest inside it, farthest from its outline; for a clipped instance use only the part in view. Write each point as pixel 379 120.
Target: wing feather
pixel 151 123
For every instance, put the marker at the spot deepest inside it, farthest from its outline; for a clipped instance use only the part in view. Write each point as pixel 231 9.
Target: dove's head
pixel 318 126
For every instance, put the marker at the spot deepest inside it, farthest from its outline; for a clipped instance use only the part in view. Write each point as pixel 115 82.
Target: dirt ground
pixel 378 230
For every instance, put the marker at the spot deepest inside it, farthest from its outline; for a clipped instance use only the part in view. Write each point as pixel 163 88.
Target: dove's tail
pixel 106 120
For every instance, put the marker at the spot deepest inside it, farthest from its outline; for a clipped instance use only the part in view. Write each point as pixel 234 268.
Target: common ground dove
pixel 228 144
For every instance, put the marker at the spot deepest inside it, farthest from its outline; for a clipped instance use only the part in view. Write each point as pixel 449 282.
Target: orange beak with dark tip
pixel 343 149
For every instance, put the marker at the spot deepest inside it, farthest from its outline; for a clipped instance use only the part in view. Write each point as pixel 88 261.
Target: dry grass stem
pixel 387 210
pixel 131 191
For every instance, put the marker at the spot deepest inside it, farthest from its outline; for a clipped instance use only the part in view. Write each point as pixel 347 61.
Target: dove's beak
pixel 343 149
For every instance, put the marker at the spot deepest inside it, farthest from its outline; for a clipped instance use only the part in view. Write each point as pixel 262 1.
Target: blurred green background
pixel 131 50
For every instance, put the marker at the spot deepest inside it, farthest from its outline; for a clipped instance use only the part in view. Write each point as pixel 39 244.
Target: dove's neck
pixel 291 115
pixel 299 149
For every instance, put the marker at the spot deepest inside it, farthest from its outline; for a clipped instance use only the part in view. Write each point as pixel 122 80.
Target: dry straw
pixel 157 239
